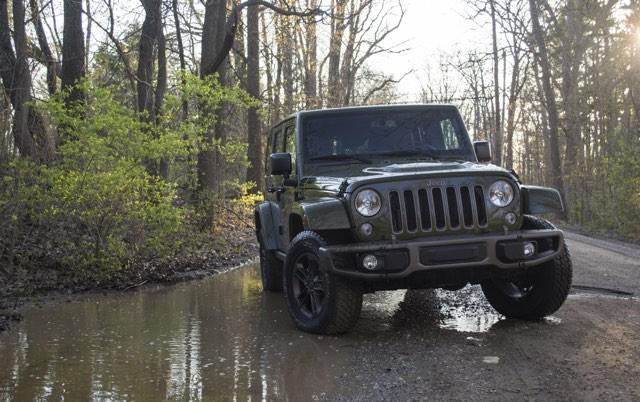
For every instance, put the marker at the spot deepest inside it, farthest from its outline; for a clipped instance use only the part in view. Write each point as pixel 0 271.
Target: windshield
pixel 373 137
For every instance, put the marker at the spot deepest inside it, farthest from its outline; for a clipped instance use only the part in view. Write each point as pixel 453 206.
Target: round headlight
pixel 501 193
pixel 368 203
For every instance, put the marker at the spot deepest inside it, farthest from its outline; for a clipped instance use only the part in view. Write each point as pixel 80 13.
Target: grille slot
pixel 440 208
pixel 467 209
pixel 396 215
pixel 410 207
pixel 425 217
pixel 452 201
pixel 482 211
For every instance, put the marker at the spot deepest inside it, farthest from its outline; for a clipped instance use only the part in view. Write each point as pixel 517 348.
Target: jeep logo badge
pixel 436 183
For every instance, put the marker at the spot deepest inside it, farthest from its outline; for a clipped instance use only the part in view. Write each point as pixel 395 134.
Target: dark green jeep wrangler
pixel 397 197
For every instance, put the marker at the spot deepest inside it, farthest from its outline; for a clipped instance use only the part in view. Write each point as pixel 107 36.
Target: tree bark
pixel 161 88
pixel 550 101
pixel 22 85
pixel 212 32
pixel 311 62
pixel 150 99
pixel 50 62
pixel 7 55
pixel 255 171
pixel 514 93
pixel 148 36
pixel 181 58
pixel 335 47
pixel 239 52
pixel 73 68
pixel 87 40
pixel 286 43
pixel 346 72
pixel 497 144
pixel 571 56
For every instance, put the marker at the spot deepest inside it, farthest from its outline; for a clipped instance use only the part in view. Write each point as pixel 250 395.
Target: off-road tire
pixel 341 304
pixel 270 270
pixel 551 284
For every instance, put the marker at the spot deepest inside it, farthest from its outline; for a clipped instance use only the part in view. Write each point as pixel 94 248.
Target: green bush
pixel 96 208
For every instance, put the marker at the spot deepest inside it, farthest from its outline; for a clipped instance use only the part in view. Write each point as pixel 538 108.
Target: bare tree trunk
pixel 150 99
pixel 22 85
pixel 239 58
pixel 88 34
pixel 73 68
pixel 28 125
pixel 144 74
pixel 550 100
pixel 497 144
pixel 346 72
pixel 335 47
pixel 511 113
pixel 254 151
pixel 7 55
pixel 161 88
pixel 268 62
pixel 514 92
pixel 212 31
pixel 51 62
pixel 286 41
pixel 183 64
pixel 311 55
pixel 570 64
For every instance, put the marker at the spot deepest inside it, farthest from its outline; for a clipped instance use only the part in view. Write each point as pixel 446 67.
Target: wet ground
pixel 223 339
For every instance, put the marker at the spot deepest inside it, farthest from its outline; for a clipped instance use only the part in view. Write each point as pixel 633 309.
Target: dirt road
pixel 223 339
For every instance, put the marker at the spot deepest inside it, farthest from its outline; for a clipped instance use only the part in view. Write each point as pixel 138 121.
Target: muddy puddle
pixel 220 338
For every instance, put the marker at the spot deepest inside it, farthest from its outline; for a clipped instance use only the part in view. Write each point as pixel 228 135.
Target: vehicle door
pixel 288 197
pixel 273 184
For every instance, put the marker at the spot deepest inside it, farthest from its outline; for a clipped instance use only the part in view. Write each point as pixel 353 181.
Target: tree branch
pixel 232 26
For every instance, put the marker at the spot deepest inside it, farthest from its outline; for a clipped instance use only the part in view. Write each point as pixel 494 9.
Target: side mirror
pixel 483 151
pixel 281 164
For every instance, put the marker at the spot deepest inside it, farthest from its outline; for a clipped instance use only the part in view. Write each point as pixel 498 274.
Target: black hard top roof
pixel 405 106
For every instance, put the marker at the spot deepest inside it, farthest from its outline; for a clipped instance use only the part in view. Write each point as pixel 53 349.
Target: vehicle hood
pixel 403 171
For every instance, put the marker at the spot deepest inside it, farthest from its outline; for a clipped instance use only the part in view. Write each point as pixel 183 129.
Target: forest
pixel 135 131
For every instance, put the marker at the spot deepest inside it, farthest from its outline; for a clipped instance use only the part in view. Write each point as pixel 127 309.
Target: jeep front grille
pixel 438 209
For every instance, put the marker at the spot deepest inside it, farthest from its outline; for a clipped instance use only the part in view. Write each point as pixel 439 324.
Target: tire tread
pixel 558 274
pixel 345 309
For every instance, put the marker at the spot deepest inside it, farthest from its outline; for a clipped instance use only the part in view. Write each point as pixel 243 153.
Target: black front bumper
pixel 401 259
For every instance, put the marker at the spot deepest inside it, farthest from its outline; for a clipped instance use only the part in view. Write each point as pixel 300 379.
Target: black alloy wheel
pixel 318 300
pixel 309 285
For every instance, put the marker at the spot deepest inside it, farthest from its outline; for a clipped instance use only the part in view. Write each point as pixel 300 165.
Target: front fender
pixel 541 200
pixel 325 214
pixel 265 229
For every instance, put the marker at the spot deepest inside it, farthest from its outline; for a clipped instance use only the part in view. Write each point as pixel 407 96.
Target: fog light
pixel 529 249
pixel 510 218
pixel 366 229
pixel 370 262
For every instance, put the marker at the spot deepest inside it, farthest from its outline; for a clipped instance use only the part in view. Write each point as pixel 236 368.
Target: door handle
pixel 278 190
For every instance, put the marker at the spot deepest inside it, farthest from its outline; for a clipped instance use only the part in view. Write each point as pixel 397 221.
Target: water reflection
pixel 221 338
pixel 464 310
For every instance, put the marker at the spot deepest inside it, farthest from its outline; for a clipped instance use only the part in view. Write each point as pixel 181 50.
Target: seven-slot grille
pixel 438 209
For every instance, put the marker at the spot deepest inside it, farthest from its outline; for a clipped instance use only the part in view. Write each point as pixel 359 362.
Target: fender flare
pixel 265 231
pixel 541 200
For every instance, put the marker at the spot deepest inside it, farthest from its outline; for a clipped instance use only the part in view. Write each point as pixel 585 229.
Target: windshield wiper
pixel 357 158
